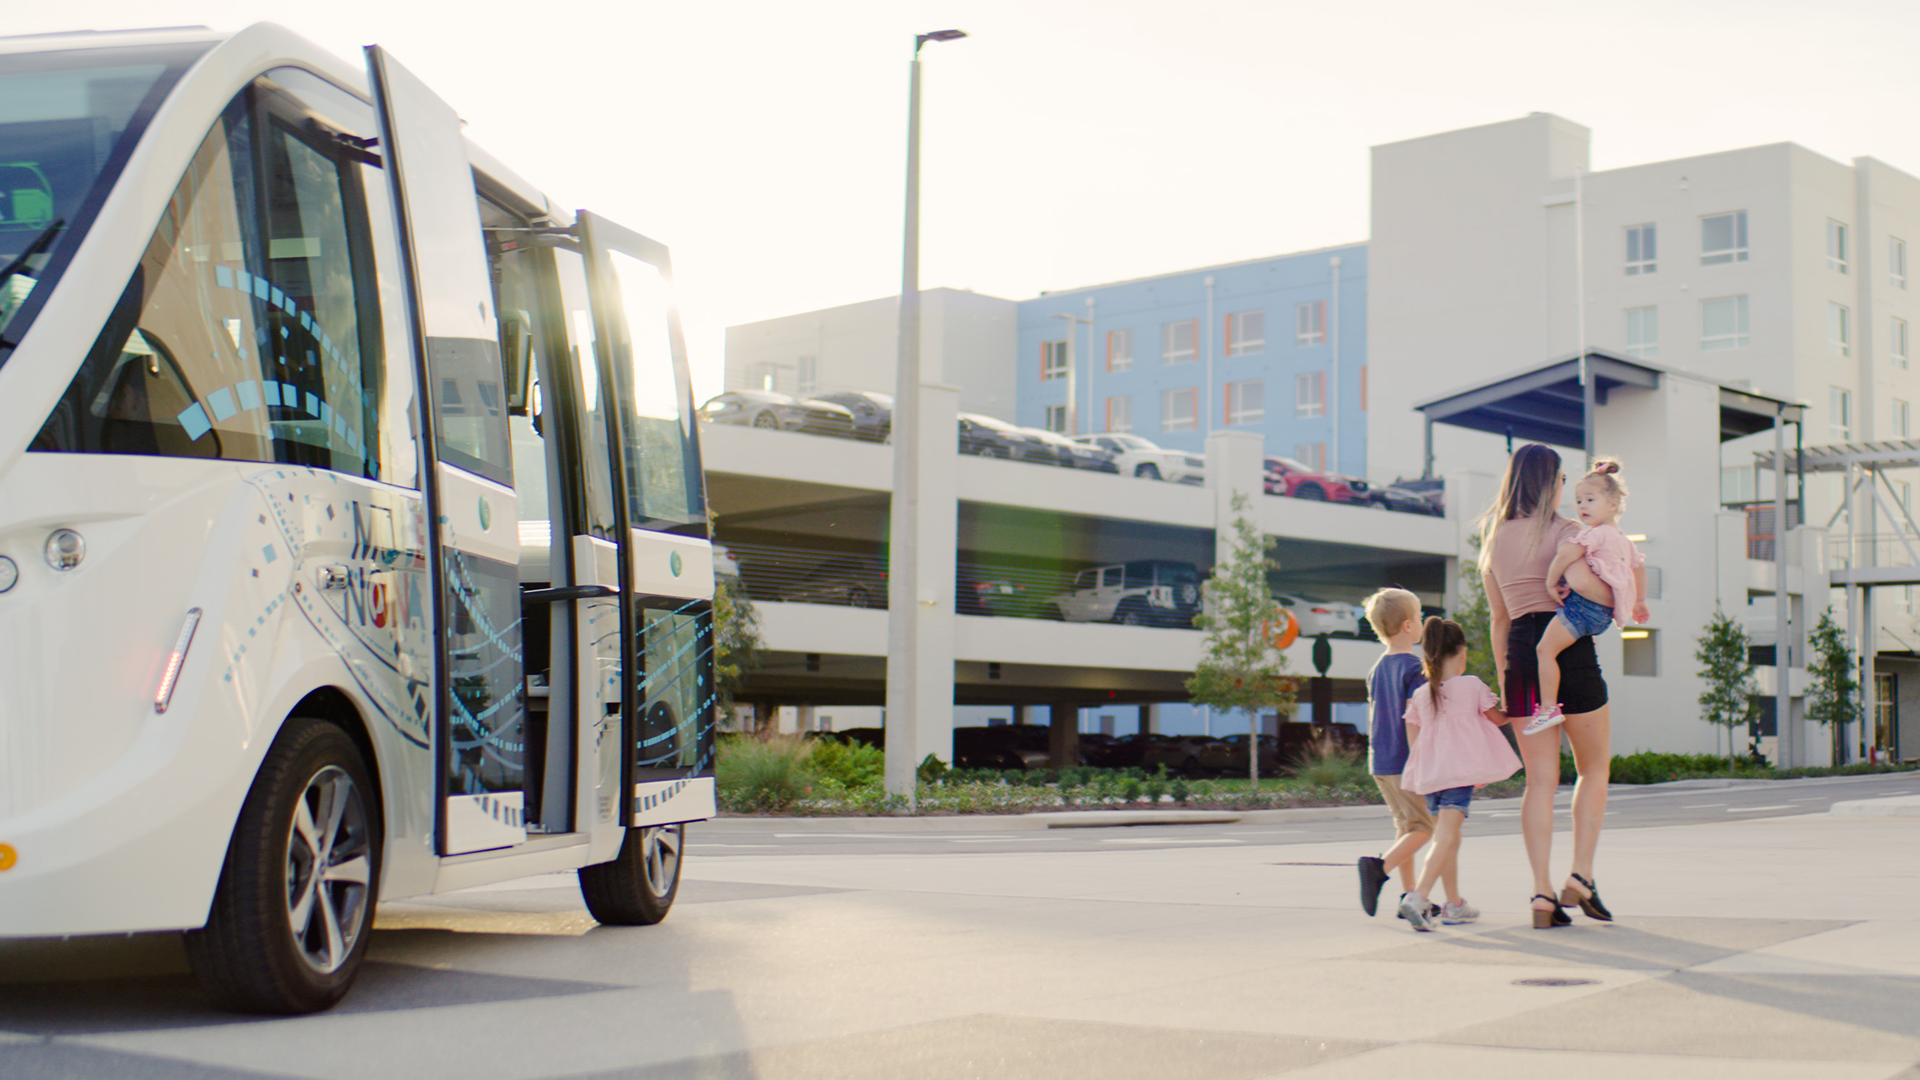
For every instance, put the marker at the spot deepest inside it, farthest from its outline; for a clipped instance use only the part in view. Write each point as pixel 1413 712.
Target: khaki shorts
pixel 1410 812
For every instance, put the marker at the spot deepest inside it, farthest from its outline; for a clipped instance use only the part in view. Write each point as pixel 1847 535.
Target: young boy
pixel 1395 615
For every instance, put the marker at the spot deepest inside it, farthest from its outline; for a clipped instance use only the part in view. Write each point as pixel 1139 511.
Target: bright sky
pixel 1067 142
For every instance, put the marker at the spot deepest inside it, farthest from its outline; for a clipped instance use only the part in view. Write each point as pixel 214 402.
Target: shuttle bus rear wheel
pixel 637 888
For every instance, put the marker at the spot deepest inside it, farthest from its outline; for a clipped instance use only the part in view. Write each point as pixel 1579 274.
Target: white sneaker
pixel 1456 912
pixel 1413 908
pixel 1543 720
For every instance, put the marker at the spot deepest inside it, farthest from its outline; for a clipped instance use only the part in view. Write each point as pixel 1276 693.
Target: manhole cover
pixel 1555 982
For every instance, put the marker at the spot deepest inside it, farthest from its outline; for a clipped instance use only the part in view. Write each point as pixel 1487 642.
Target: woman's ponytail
pixel 1439 639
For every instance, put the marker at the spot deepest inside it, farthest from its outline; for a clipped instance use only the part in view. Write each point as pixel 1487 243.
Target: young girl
pixel 1602 568
pixel 1453 749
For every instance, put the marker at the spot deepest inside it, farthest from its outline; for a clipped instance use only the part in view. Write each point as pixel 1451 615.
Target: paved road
pixel 1628 807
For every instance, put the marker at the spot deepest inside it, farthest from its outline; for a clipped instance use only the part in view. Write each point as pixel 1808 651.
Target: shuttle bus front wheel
pixel 638 886
pixel 290 918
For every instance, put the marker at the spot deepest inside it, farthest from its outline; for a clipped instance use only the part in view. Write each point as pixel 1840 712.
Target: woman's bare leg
pixel 1590 735
pixel 1541 754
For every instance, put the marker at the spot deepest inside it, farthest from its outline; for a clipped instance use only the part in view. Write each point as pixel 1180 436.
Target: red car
pixel 1285 476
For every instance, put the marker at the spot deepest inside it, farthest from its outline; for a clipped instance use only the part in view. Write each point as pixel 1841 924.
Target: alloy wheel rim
pixel 660 855
pixel 329 866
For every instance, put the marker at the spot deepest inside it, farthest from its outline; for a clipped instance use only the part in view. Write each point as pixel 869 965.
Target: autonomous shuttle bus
pixel 353 537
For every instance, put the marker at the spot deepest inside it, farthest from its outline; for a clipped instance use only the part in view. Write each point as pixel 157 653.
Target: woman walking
pixel 1520 535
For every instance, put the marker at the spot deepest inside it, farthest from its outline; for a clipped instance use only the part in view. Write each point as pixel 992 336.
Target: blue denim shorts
pixel 1453 798
pixel 1584 617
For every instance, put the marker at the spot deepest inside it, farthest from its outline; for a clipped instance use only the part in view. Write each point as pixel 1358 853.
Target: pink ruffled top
pixel 1612 558
pixel 1458 746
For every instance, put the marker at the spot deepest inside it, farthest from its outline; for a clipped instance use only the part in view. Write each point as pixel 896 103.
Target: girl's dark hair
pixel 1439 639
pixel 1525 492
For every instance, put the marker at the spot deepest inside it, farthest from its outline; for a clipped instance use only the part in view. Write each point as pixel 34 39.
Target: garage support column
pixel 1235 464
pixel 1149 720
pixel 1063 742
pixel 925 513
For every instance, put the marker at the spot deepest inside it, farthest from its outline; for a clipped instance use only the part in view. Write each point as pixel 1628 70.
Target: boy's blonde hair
pixel 1391 609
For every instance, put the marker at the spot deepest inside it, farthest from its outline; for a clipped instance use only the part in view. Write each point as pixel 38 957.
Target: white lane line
pixel 1005 839
pixel 1503 813
pixel 708 844
pixel 1758 809
pixel 1274 832
pixel 1150 840
pixel 1703 806
pixel 905 836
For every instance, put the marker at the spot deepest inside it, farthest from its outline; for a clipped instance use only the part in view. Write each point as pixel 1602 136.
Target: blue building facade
pixel 1275 345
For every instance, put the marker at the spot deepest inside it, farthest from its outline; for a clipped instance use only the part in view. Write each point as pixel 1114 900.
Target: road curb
pixel 1900 806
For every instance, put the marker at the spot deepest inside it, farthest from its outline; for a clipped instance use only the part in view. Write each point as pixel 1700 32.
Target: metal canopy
pixel 1839 457
pixel 1547 403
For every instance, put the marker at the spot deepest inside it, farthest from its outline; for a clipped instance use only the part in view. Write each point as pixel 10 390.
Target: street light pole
pixel 903 629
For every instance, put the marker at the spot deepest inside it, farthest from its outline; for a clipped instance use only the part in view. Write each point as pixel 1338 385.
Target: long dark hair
pixel 1439 639
pixel 1525 491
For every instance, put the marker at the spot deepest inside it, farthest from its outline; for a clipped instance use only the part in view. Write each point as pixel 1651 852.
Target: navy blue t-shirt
pixel 1394 678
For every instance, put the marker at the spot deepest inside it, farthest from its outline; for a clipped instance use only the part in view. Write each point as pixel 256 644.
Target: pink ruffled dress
pixel 1458 746
pixel 1612 558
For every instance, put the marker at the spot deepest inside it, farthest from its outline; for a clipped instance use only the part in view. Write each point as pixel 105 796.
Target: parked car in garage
pixel 1136 456
pixel 983 592
pixel 1320 616
pixel 987 437
pixel 853 580
pixel 1420 495
pixel 766 409
pixel 872 413
pixel 1237 755
pixel 1002 746
pixel 1285 476
pixel 1189 755
pixel 1145 592
pixel 1075 455
pixel 1302 741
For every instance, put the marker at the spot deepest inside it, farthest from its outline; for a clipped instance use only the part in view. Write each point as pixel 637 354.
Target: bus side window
pixel 251 330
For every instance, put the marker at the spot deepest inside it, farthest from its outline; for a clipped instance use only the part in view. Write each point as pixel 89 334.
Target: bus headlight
pixel 65 549
pixel 9 574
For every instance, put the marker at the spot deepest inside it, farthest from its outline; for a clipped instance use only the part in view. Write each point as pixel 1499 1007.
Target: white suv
pixel 1148 592
pixel 1136 456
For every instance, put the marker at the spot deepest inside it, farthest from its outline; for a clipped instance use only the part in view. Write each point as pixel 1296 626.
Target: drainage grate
pixel 1555 982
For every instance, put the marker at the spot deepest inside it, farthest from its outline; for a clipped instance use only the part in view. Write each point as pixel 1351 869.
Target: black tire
pixel 1130 615
pixel 766 420
pixel 250 957
pixel 1148 471
pixel 1191 767
pixel 1310 491
pixel 637 888
pixel 858 597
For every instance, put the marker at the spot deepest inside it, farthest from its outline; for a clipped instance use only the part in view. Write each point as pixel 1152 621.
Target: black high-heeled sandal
pixel 1554 916
pixel 1590 904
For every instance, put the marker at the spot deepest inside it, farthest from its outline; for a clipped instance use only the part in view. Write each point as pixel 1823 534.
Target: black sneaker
pixel 1433 909
pixel 1373 877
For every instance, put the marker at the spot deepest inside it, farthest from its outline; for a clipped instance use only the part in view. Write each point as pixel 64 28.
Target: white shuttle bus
pixel 353 537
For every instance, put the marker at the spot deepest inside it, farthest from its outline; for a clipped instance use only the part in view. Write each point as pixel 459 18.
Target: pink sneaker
pixel 1543 720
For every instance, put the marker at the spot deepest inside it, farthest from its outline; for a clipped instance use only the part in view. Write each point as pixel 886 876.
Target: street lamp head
pixel 936 35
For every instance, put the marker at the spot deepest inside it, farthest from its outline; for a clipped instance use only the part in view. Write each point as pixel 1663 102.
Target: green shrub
pixel 1180 790
pixel 1155 787
pixel 762 775
pixel 1327 767
pixel 931 768
pixel 1132 789
pixel 852 765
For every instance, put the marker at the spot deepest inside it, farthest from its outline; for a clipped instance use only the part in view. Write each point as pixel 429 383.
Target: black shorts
pixel 1582 688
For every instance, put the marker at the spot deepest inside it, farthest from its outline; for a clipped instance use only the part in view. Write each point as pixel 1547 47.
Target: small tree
pixel 1476 618
pixel 1727 670
pixel 736 642
pixel 1241 669
pixel 1832 689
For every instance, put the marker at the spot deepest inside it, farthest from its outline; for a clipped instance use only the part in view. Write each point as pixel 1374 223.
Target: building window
pixel 1836 246
pixel 1839 413
pixel 1839 329
pixel 1311 454
pixel 1310 323
pixel 1246 402
pixel 1897 262
pixel 1177 409
pixel 1902 418
pixel 1310 394
pixel 1057 419
pixel 1053 360
pixel 1246 332
pixel 1179 341
pixel 1723 323
pixel 1120 413
pixel 1120 350
pixel 764 375
pixel 1897 342
pixel 1643 332
pixel 1641 258
pixel 1737 484
pixel 1723 238
pixel 809 375
pixel 1640 653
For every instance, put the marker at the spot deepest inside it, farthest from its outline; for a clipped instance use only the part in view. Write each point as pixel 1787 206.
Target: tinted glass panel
pixel 251 329
pixel 664 486
pixel 67 122
pixel 676 714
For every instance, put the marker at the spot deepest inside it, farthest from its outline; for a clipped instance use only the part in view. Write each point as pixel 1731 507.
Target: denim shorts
pixel 1453 798
pixel 1584 617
